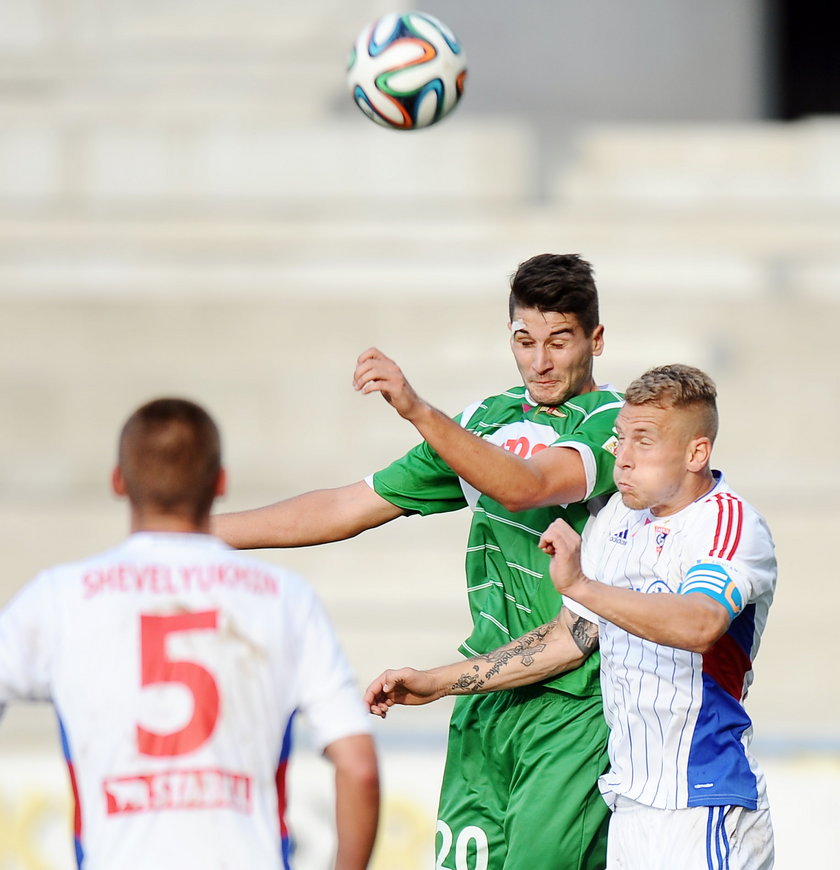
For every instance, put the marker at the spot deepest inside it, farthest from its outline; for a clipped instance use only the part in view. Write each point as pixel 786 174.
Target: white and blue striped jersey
pixel 176 665
pixel 679 734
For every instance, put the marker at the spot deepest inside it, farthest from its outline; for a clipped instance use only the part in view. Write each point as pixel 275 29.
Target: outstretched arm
pixel 356 799
pixel 551 649
pixel 693 622
pixel 316 517
pixel 553 476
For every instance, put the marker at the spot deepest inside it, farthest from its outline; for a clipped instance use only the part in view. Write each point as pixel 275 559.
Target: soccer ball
pixel 406 70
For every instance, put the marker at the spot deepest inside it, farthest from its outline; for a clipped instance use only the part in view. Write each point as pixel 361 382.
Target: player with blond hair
pixel 673 580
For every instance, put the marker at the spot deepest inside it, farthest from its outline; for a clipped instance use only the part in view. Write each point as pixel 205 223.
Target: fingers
pixel 548 538
pixel 376 691
pixel 373 368
pixel 375 372
pixel 370 353
pixel 558 536
pixel 380 710
pixel 378 696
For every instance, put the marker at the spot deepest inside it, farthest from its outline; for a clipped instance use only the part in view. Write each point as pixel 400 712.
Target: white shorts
pixel 698 838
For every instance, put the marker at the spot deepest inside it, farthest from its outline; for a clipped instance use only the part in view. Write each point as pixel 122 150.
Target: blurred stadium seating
pixel 189 204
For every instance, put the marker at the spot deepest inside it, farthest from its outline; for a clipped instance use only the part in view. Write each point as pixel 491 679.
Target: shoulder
pixel 605 402
pixel 284 578
pixel 728 527
pixel 492 410
pixel 732 511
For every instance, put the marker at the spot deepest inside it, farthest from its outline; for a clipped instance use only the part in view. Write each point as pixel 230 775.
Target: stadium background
pixel 190 204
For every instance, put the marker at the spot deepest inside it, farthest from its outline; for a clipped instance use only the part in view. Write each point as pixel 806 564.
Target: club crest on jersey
pixel 611 445
pixel 619 537
pixel 551 410
pixel 661 533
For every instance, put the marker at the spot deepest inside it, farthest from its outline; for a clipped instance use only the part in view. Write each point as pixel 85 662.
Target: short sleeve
pixel 728 554
pixel 26 639
pixel 595 441
pixel 328 694
pixel 420 482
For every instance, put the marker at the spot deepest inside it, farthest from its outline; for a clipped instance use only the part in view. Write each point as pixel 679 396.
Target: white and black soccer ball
pixel 406 70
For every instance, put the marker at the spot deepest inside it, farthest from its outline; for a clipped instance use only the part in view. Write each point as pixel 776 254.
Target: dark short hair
pixel 556 282
pixel 677 386
pixel 170 456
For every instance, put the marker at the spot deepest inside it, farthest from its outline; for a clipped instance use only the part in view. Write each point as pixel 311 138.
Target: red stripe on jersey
pixel 280 779
pixel 728 504
pixel 727 664
pixel 733 510
pixel 738 508
pixel 718 527
pixel 77 806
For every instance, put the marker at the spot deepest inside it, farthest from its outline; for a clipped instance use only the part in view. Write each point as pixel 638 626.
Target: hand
pixel 375 372
pixel 404 686
pixel 562 543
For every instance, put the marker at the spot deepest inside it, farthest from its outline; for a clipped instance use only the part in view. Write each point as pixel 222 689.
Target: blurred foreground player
pixel 517 460
pixel 674 577
pixel 176 665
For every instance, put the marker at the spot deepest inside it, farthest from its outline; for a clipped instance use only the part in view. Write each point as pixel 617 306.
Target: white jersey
pixel 679 734
pixel 175 665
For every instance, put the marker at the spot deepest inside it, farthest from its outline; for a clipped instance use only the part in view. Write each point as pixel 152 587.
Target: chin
pixel 542 398
pixel 632 501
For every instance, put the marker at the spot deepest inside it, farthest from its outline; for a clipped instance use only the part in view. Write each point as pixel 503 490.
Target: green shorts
pixel 520 785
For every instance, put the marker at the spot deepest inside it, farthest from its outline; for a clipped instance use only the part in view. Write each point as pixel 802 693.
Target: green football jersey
pixel 508 585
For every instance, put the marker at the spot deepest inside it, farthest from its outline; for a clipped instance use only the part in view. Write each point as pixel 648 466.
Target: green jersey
pixel 508 585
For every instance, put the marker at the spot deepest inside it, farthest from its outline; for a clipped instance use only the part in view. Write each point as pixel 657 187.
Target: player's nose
pixel 542 360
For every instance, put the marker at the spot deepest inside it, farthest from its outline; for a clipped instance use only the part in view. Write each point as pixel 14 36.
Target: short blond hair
pixel 678 386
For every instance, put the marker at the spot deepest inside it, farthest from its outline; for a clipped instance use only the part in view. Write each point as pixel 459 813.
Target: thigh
pixel 520 784
pixel 556 818
pixel 742 840
pixel 470 833
pixel 699 838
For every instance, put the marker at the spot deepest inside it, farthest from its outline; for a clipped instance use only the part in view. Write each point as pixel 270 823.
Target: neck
pixel 589 387
pixel 696 488
pixel 145 521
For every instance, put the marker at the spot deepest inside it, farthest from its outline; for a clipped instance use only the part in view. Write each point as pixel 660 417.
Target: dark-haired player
pixel 518 460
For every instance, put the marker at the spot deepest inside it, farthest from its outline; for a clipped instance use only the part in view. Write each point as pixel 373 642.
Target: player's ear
pixel 221 483
pixel 598 340
pixel 699 453
pixel 118 482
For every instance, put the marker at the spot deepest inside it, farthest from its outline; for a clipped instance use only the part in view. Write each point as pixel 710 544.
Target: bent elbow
pixel 513 505
pixel 522 500
pixel 700 646
pixel 704 626
pixel 704 639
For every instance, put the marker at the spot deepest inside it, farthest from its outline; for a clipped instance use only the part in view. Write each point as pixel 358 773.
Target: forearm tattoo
pixel 524 648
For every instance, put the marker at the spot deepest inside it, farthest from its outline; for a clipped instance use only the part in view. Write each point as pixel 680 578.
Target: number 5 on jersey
pixel 157 668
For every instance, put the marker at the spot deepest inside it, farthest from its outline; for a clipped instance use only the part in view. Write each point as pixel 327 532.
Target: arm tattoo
pixel 585 635
pixel 524 648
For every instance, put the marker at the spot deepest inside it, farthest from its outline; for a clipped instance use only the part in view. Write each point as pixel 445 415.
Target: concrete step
pixel 713 166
